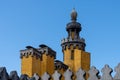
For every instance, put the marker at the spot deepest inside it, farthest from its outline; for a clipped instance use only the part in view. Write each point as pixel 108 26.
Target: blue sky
pixel 28 22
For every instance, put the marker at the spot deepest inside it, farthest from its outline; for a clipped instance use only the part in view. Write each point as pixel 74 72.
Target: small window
pixel 72 54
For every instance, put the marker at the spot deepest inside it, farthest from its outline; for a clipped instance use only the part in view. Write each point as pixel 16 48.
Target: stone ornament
pixel 93 73
pixel 24 77
pixel 56 75
pixel 117 70
pixel 36 76
pixel 68 75
pixel 80 74
pixel 106 73
pixel 45 76
pixel 13 75
pixel 3 74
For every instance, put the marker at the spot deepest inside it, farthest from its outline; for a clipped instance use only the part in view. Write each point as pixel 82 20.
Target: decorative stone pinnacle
pixel 73 15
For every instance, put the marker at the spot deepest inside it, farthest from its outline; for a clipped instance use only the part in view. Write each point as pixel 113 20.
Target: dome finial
pixel 73 15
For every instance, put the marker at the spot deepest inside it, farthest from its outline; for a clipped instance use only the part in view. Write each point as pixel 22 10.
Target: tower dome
pixel 73 25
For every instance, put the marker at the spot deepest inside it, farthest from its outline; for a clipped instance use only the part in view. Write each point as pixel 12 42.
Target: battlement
pixel 44 49
pixel 30 51
pixel 37 60
pixel 60 65
pixel 80 42
pixel 68 74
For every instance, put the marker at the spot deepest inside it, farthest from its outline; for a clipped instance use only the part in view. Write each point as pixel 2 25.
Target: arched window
pixel 72 54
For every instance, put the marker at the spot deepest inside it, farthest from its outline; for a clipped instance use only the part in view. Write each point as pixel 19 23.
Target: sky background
pixel 35 22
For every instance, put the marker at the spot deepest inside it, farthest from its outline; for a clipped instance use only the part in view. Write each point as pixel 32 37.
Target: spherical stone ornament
pixel 74 15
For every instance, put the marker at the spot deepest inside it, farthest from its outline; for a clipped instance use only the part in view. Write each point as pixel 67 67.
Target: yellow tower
pixel 73 46
pixel 48 56
pixel 41 60
pixel 37 60
pixel 30 61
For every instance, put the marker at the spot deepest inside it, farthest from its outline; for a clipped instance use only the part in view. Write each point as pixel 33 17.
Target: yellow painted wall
pixel 26 66
pixel 77 60
pixel 30 65
pixel 47 64
pixel 85 60
pixel 36 65
pixel 81 59
pixel 67 58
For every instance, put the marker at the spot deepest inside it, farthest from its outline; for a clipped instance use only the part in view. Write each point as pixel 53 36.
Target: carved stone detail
pixel 93 73
pixel 13 75
pixel 36 76
pixel 106 73
pixel 80 74
pixel 24 77
pixel 117 70
pixel 45 76
pixel 30 52
pixel 56 76
pixel 3 74
pixel 60 65
pixel 46 50
pixel 81 46
pixel 68 75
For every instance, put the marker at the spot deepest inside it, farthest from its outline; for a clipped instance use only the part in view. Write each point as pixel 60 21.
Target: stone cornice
pixel 30 52
pixel 47 50
pixel 76 42
pixel 60 65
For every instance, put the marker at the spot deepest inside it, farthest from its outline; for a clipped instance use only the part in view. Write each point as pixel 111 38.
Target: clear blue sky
pixel 34 22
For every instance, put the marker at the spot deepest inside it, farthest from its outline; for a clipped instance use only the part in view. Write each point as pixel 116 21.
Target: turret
pixel 30 61
pixel 37 60
pixel 48 56
pixel 73 46
pixel 73 28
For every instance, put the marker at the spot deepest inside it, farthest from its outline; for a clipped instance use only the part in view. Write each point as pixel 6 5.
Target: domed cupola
pixel 73 25
pixel 73 28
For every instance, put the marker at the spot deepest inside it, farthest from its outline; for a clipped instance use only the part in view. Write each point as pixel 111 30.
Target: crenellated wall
pixel 79 75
